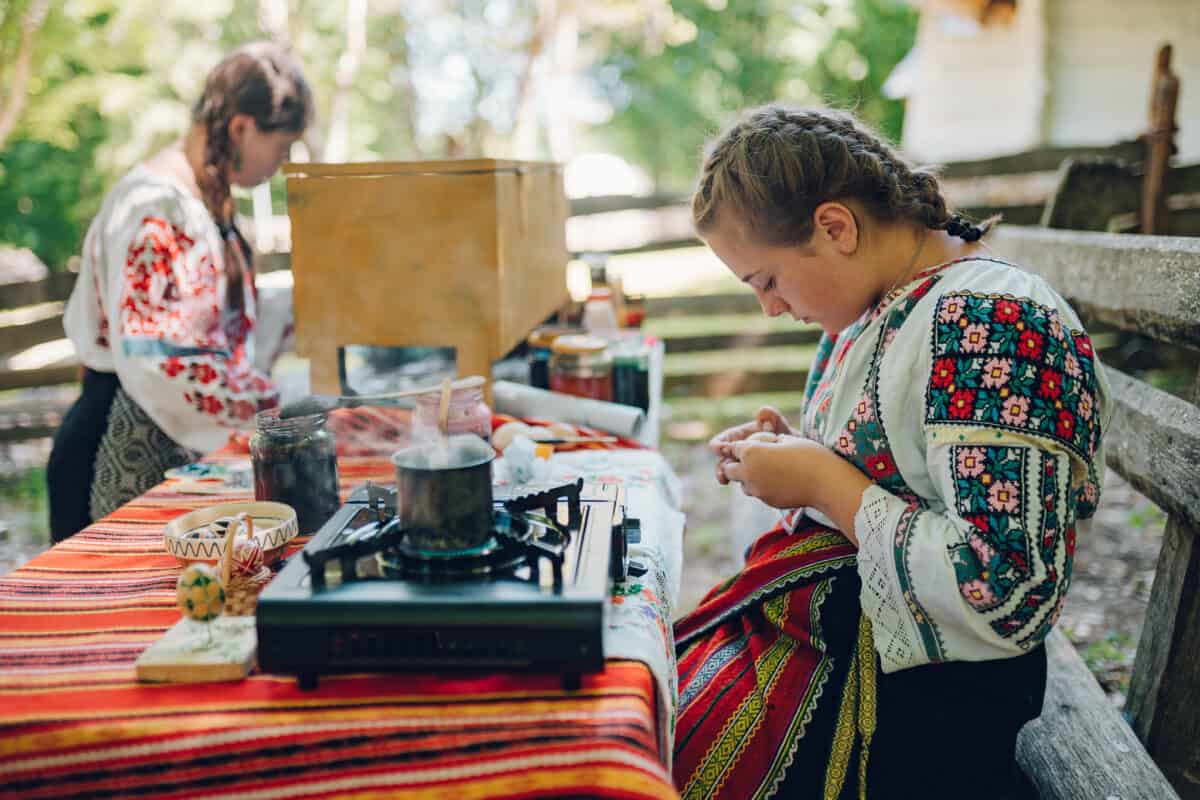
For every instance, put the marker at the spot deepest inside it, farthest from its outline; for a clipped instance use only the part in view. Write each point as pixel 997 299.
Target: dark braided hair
pixel 264 82
pixel 777 164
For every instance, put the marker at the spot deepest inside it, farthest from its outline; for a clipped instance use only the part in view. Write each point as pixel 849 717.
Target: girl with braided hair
pixel 163 313
pixel 886 639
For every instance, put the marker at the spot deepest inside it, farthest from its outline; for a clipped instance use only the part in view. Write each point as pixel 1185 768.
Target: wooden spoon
pixel 444 409
pixel 324 403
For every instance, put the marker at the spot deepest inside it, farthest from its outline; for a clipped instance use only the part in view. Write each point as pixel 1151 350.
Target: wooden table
pixel 75 722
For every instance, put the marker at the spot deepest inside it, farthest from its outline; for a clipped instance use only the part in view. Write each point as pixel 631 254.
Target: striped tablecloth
pixel 74 722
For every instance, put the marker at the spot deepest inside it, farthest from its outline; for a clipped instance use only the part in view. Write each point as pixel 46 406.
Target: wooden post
pixel 1164 692
pixel 1160 142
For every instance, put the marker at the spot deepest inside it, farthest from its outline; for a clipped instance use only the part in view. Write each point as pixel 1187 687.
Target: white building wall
pixel 977 91
pixel 1062 72
pixel 1101 60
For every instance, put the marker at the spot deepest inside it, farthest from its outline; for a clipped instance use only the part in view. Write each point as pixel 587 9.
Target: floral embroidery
pixel 1010 363
pixel 989 492
pixel 862 439
pixel 1054 537
pixel 171 309
pixel 818 389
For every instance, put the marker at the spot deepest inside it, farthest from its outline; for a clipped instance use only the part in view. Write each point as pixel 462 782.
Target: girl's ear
pixel 237 127
pixel 836 224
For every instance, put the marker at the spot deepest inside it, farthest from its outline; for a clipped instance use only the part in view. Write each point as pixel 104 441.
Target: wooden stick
pixel 1160 143
pixel 444 408
pixel 227 552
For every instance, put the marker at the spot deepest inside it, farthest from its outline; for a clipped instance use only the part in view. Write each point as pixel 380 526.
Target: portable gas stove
pixel 535 596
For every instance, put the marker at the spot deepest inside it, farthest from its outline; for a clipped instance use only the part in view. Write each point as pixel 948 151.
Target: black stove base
pixel 309 653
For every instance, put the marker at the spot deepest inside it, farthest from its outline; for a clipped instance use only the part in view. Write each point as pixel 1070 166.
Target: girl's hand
pixel 795 472
pixel 767 420
pixel 782 471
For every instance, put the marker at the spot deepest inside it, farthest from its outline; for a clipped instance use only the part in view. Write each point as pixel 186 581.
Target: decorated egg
pixel 502 437
pixel 562 430
pixel 199 593
pixel 247 556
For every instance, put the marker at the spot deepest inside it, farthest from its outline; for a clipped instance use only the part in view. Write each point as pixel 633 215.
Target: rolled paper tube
pixel 519 400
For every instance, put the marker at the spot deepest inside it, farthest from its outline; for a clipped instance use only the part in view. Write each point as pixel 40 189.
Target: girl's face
pixel 261 152
pixel 818 282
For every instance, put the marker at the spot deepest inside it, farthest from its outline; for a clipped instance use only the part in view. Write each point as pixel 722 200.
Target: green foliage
pixel 716 58
pixel 49 193
pixel 113 80
pixel 24 509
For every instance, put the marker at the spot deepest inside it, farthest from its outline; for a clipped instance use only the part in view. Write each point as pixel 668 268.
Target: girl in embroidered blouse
pixel 886 640
pixel 164 311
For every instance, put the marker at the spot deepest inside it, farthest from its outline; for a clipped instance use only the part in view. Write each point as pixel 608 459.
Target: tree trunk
pixel 525 128
pixel 336 144
pixel 13 103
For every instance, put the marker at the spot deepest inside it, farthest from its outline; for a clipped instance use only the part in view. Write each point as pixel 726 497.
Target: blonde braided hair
pixel 776 164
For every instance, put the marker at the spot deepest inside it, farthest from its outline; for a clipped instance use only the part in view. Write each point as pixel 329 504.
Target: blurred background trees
pixel 89 87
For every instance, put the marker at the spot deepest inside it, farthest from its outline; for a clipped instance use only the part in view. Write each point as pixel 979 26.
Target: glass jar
pixel 600 313
pixel 467 413
pixel 581 366
pixel 295 462
pixel 540 342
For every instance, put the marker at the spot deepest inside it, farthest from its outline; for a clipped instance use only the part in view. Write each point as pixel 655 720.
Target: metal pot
pixel 444 493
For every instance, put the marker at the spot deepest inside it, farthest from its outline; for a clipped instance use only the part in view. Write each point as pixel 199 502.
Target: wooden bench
pixel 1081 746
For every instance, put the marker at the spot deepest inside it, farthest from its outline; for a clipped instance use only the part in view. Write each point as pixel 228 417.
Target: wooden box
pixel 464 254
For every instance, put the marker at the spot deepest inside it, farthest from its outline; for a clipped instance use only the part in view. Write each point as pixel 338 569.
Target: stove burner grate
pixel 525 532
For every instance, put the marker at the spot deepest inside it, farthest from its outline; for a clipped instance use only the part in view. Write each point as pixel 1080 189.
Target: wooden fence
pixel 31 313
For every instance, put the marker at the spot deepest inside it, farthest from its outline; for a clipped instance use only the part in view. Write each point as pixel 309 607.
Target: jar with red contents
pixel 582 366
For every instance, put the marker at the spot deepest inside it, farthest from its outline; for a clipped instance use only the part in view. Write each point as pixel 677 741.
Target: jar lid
pixel 579 343
pixel 545 336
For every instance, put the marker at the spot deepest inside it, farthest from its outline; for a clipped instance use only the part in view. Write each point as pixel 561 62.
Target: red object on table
pixel 597 387
pixel 75 720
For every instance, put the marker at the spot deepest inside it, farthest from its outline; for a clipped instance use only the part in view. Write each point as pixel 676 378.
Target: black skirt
pixel 71 469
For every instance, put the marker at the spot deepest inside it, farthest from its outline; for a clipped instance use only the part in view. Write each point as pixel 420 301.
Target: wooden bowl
pixel 192 537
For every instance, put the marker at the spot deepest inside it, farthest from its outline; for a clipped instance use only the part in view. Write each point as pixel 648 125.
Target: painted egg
pixel 199 593
pixel 562 430
pixel 502 437
pixel 247 556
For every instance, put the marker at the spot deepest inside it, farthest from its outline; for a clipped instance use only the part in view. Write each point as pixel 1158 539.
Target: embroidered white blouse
pixel 973 399
pixel 149 305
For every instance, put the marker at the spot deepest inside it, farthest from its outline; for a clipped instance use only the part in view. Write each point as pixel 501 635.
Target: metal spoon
pixel 324 403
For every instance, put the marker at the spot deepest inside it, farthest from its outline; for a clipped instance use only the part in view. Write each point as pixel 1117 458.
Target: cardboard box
pixel 464 254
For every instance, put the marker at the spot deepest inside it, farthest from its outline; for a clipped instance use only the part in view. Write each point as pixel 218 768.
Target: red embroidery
pixel 173 293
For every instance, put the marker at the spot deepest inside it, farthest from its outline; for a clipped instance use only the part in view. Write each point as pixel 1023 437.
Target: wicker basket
pixel 241 596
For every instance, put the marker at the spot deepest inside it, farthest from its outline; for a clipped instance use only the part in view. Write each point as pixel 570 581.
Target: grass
pixel 24 520
pixel 1111 660
pixel 1141 517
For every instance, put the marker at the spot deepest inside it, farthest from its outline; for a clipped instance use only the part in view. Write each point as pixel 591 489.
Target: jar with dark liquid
pixel 295 462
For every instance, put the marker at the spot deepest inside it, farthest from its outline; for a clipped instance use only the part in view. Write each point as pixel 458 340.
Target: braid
pixel 215 113
pixel 777 164
pixel 262 81
pixel 218 156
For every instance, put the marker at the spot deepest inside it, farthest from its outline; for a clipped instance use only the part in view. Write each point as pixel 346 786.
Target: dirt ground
pixel 1114 561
